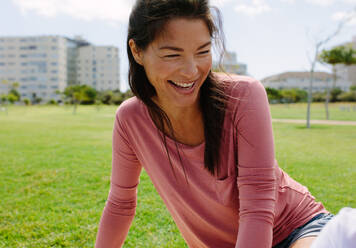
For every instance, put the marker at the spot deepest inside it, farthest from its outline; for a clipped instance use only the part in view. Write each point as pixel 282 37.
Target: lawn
pixel 337 111
pixel 55 175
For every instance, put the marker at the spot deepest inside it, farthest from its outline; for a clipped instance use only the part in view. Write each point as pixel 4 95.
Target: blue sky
pixel 270 36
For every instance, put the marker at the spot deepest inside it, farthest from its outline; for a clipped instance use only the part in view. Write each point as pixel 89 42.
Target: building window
pixel 2 64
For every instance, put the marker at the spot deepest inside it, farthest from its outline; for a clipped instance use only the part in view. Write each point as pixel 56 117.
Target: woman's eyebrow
pixel 181 49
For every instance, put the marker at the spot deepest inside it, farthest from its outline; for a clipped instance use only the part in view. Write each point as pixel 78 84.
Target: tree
pixel 12 98
pixel 12 95
pixel 78 94
pixel 318 44
pixel 273 95
pixel 332 57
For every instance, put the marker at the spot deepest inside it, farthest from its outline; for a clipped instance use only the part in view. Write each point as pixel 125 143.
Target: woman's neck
pixel 187 123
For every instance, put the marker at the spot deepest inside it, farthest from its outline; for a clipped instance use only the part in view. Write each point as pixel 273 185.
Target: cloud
pixel 219 3
pixel 257 7
pixel 330 2
pixel 287 1
pixel 111 11
pixel 321 2
pixel 339 16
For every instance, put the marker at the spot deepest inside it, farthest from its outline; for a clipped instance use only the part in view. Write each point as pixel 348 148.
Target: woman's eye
pixel 171 55
pixel 204 52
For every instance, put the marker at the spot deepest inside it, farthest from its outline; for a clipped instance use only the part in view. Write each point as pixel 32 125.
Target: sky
pixel 270 36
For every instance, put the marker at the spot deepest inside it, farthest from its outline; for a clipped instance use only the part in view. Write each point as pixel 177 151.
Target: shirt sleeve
pixel 256 173
pixel 120 207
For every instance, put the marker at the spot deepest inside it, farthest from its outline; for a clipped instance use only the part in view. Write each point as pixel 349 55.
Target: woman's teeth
pixel 183 85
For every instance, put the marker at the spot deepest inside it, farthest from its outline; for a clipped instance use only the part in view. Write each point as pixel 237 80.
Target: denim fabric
pixel 311 228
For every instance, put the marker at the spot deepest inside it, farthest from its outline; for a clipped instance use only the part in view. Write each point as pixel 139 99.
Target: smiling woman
pixel 177 63
pixel 204 139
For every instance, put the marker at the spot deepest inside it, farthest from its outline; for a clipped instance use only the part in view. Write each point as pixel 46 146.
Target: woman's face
pixel 178 61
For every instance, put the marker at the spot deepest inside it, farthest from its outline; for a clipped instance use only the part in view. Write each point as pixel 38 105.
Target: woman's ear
pixel 136 52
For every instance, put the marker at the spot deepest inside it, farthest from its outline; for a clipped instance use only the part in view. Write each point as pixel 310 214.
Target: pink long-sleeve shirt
pixel 250 203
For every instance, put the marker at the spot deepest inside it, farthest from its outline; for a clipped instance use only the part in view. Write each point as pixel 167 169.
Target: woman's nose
pixel 189 69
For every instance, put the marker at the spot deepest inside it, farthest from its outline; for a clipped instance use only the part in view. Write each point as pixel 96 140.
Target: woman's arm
pixel 120 207
pixel 256 168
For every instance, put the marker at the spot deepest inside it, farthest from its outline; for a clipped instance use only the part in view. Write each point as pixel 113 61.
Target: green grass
pixel 55 171
pixel 337 111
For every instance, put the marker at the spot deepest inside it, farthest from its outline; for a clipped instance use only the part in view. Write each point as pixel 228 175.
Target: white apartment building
pixel 44 64
pixel 38 64
pixel 301 80
pixel 98 66
pixel 231 65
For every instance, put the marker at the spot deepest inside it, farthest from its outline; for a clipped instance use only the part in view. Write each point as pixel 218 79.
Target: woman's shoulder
pixel 129 108
pixel 239 85
pixel 243 91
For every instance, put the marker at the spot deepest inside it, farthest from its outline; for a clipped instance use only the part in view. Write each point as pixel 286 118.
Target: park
pixel 55 172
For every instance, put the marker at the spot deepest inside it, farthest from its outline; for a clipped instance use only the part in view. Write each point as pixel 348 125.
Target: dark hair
pixel 147 20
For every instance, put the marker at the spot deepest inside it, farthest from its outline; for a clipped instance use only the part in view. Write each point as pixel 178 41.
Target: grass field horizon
pixel 55 174
pixel 340 111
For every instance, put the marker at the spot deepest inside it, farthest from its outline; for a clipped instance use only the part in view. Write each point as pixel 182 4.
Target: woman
pixel 205 141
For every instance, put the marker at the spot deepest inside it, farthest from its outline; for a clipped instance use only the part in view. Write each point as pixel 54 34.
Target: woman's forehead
pixel 183 32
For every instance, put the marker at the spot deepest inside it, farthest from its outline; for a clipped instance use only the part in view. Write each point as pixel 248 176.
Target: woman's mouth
pixel 183 85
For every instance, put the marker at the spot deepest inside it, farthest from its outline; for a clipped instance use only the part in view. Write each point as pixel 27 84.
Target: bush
pixel 274 95
pixel 26 101
pixel 37 100
pixel 52 102
pixel 3 98
pixel 319 97
pixel 334 93
pixel 16 94
pixel 349 96
pixel 293 95
pixel 12 98
pixel 105 97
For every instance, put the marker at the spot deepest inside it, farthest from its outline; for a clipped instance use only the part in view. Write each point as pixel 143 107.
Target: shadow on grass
pixel 314 127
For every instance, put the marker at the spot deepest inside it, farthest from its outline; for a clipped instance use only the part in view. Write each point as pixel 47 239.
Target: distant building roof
pixel 298 74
